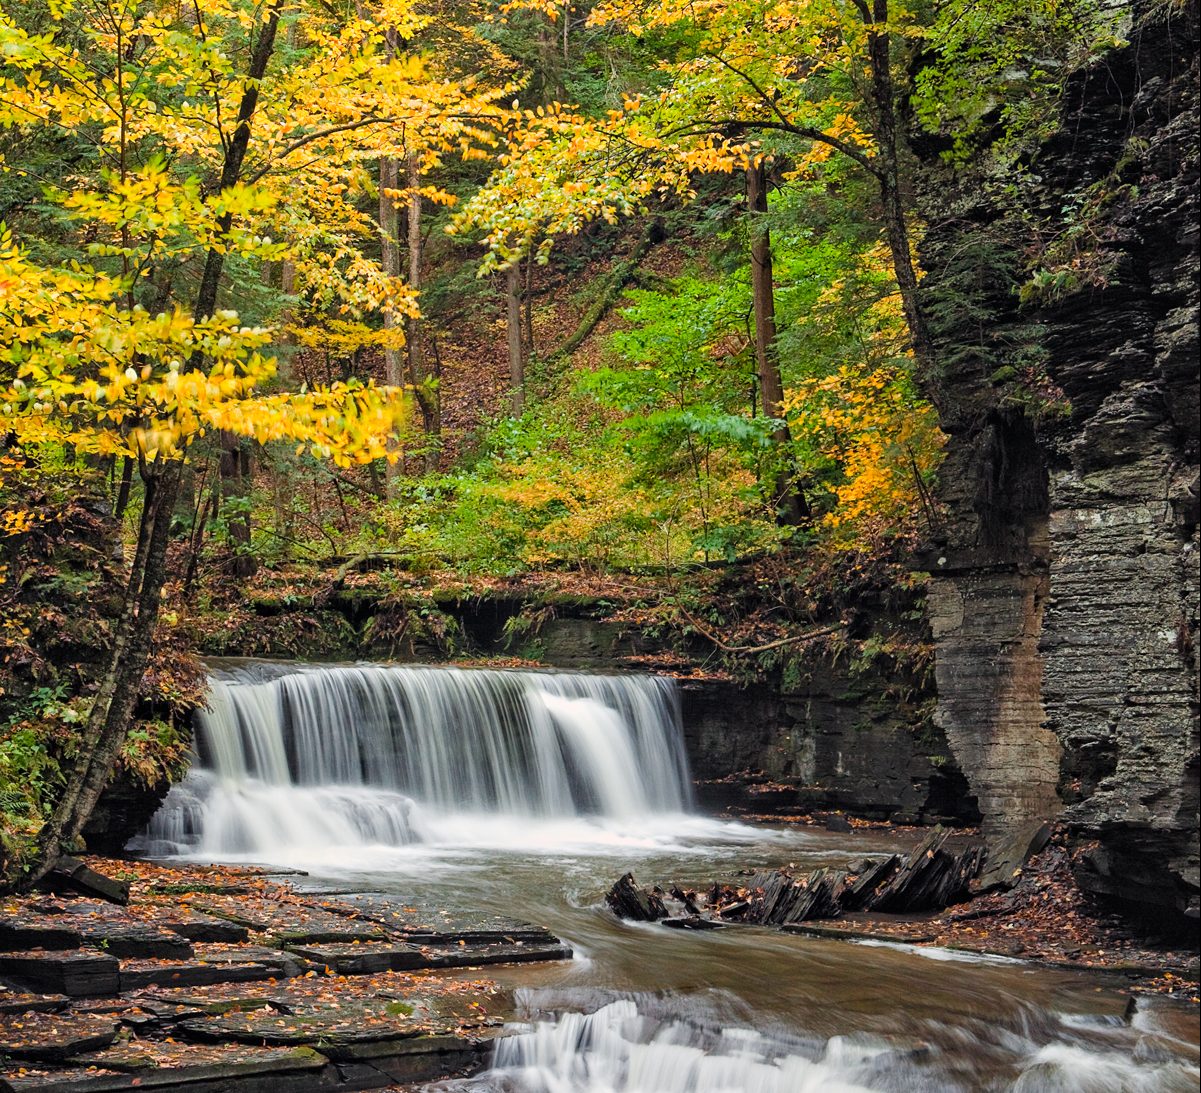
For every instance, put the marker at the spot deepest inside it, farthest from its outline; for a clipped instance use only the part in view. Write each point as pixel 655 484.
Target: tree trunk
pixel 116 698
pixel 389 227
pixel 122 502
pixel 896 229
pixel 513 333
pixel 236 474
pixel 791 507
pixel 425 392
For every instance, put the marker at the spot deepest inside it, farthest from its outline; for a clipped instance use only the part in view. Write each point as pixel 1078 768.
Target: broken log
pixel 72 875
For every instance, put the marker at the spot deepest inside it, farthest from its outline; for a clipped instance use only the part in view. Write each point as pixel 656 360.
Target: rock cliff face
pixel 1065 598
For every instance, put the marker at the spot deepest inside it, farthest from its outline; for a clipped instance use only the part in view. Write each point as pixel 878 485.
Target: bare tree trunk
pixel 122 502
pixel 426 393
pixel 236 473
pixel 513 333
pixel 889 174
pixel 116 697
pixel 528 305
pixel 791 507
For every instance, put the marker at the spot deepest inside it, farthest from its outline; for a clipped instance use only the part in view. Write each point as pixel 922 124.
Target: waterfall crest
pixel 329 756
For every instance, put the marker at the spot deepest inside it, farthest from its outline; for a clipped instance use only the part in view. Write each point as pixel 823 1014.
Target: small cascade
pixel 322 757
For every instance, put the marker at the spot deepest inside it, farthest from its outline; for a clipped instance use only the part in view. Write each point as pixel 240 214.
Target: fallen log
pixel 72 875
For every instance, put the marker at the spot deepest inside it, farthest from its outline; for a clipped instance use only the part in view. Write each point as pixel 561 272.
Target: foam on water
pixel 637 1045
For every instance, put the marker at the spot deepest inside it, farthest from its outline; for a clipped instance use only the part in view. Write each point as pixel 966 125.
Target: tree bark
pixel 425 392
pixel 791 507
pixel 513 335
pixel 236 470
pixel 389 227
pixel 116 697
pixel 896 229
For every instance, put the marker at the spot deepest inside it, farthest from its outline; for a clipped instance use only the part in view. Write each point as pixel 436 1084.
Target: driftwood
pixel 931 877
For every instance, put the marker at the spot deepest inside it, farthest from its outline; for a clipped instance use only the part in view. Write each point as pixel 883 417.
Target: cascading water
pixel 317 758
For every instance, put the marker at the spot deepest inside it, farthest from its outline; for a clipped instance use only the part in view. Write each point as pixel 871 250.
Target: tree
pixel 785 79
pixel 211 152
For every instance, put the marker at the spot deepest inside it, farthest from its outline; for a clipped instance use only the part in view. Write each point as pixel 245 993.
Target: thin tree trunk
pixel 389 227
pixel 791 508
pixel 236 473
pixel 528 305
pixel 425 393
pixel 513 334
pixel 896 228
pixel 122 502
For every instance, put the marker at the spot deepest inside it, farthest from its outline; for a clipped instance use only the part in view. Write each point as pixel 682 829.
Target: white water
pixel 642 1045
pixel 309 763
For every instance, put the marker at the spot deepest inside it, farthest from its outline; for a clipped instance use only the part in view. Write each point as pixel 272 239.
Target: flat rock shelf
pixel 223 980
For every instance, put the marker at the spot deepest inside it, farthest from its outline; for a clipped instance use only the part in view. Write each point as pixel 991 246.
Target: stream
pixel 526 795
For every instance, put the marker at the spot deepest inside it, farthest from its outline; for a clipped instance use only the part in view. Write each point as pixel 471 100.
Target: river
pixel 526 795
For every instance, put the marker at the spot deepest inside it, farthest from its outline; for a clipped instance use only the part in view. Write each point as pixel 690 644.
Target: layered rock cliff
pixel 1065 595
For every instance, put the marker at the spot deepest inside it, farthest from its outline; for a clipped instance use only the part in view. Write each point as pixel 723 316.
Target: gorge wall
pixel 1065 590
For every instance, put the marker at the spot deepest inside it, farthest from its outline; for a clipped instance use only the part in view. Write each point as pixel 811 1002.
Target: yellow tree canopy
pixel 103 348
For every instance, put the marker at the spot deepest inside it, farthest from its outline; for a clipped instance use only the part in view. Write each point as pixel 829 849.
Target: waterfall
pixel 322 757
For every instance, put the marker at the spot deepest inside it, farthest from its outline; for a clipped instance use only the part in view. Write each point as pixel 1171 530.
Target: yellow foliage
pixel 882 440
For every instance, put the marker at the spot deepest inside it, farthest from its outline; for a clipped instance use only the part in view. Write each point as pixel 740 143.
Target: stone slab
pixel 19 933
pixel 470 956
pixel 134 940
pixel 203 928
pixel 80 974
pixel 52 1037
pixel 14 1001
pixel 363 959
pixel 429 922
pixel 226 1069
pixel 137 975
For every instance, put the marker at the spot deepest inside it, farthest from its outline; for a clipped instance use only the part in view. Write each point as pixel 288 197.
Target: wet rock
pixel 869 877
pixel 930 878
pixel 77 974
pixel 422 922
pixel 200 927
pixel 51 1037
pixel 628 901
pixel 19 933
pixel 693 922
pixel 1008 854
pixel 235 1068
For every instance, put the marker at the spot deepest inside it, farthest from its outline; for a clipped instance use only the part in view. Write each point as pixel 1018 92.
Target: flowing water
pixel 526 794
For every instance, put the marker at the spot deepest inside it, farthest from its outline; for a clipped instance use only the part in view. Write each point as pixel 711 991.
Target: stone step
pixel 139 974
pixel 53 1037
pixel 79 974
pixel 236 1068
pixel 134 940
pixel 14 1001
pixel 19 934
